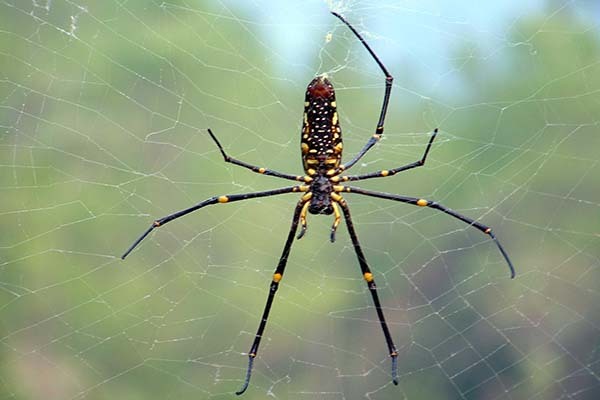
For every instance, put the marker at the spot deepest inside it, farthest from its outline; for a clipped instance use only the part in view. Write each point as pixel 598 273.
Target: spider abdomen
pixel 321 134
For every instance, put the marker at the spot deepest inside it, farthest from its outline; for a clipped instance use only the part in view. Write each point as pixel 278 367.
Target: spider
pixel 321 146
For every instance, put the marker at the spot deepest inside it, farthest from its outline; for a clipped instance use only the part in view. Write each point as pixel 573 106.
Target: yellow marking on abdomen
pixel 422 202
pixel 334 119
pixel 223 199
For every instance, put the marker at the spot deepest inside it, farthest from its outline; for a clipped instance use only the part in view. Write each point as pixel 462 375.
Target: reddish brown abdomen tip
pixel 320 91
pixel 320 87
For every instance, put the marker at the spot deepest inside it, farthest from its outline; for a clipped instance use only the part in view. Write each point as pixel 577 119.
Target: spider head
pixel 322 206
pixel 320 202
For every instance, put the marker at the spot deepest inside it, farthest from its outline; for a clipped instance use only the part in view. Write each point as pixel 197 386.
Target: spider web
pixel 104 108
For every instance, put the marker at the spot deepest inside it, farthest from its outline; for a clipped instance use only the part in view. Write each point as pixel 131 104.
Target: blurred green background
pixel 104 107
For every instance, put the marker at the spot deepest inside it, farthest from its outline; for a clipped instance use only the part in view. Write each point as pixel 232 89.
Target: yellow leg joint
pixel 336 197
pixel 303 214
pixel 223 199
pixel 422 202
pixel 337 216
pixel 277 277
pixel 368 277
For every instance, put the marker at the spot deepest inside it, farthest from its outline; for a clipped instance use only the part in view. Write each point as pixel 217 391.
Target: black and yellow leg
pixel 213 200
pixel 336 220
pixel 368 277
pixel 303 224
pixel 272 290
pixel 432 204
pixel 390 172
pixel 386 99
pixel 254 168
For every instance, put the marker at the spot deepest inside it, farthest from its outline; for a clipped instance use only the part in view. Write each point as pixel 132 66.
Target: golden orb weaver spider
pixel 321 146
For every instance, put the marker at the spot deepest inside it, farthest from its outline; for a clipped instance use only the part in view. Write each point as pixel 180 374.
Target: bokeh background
pixel 104 107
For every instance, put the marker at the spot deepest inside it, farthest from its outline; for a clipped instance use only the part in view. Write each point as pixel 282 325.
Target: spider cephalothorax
pixel 320 202
pixel 321 145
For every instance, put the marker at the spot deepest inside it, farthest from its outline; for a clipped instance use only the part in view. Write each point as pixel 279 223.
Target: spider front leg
pixel 368 277
pixel 385 172
pixel 272 290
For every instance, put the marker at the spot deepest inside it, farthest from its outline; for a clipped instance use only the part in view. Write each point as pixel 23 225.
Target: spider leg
pixel 386 99
pixel 258 170
pixel 336 220
pixel 272 290
pixel 394 171
pixel 303 220
pixel 213 200
pixel 432 204
pixel 368 276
